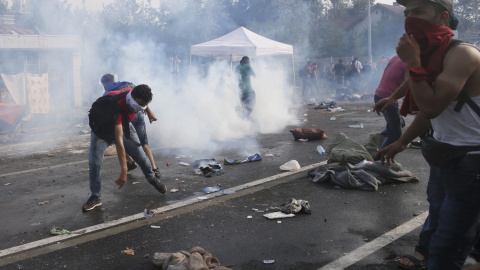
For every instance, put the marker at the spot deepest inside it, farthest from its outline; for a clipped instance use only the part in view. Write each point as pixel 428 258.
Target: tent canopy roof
pixel 241 42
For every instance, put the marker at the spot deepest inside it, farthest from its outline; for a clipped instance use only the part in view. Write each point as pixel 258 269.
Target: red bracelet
pixel 418 74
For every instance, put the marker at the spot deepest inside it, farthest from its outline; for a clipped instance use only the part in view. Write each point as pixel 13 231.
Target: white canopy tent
pixel 242 42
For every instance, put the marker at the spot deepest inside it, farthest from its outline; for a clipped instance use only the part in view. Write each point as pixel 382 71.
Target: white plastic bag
pixel 292 165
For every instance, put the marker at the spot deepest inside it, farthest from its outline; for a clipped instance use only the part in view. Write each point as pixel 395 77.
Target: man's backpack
pixel 303 73
pixel 103 115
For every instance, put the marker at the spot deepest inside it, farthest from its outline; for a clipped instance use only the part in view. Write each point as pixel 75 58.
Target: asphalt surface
pixel 342 220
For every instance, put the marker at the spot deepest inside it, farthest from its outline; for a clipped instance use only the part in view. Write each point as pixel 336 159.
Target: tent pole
pixel 294 84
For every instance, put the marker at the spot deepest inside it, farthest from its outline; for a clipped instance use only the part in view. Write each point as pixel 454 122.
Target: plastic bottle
pixel 356 126
pixel 211 189
pixel 333 118
pixel 320 150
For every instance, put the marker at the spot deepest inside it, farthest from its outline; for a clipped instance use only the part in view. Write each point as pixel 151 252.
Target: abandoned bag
pixel 103 115
pixel 444 155
pixel 307 133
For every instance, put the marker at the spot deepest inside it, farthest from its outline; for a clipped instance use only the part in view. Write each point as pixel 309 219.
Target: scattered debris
pixel 356 126
pixel 128 251
pixel 268 261
pixel 294 206
pixel 202 198
pixel 184 163
pixel 226 191
pixel 7 184
pixel 155 227
pixel 207 167
pixel 211 189
pixel 255 157
pixel 173 190
pixel 42 203
pixel 269 155
pixel 308 134
pixel 56 231
pixel 149 213
pixel 292 165
pixel 134 183
pixel 276 215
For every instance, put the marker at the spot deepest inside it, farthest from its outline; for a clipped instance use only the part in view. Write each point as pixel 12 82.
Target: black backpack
pixel 103 115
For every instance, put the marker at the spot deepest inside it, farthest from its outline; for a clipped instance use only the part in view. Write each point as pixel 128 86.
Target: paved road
pixel 348 229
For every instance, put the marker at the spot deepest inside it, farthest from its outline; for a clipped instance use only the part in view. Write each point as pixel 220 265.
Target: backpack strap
pixel 462 96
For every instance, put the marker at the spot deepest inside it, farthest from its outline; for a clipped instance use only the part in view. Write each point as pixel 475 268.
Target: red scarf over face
pixel 433 40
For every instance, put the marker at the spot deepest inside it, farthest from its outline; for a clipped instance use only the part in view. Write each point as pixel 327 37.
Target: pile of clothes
pixel 195 259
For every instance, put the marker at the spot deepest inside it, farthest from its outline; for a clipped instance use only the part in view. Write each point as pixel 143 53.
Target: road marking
pixel 131 218
pixel 378 243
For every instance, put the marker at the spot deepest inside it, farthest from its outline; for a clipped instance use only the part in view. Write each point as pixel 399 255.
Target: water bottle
pixel 211 189
pixel 320 150
pixel 333 118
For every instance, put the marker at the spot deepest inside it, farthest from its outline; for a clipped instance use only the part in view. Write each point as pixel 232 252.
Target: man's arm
pixel 121 156
pixel 419 126
pixel 384 103
pixel 458 65
pixel 151 115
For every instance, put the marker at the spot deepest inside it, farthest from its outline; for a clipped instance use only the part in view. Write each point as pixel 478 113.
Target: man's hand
pixel 408 50
pixel 388 152
pixel 383 104
pixel 151 115
pixel 122 179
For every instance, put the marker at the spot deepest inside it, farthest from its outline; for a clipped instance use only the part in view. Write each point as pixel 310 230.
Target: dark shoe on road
pixel 92 202
pixel 159 185
pixel 131 166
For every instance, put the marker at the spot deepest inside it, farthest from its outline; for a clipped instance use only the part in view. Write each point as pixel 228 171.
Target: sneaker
pixel 92 202
pixel 159 185
pixel 131 166
pixel 157 172
pixel 415 145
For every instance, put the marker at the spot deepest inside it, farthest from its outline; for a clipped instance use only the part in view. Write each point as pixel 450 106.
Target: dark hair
pixel 107 79
pixel 143 92
pixel 453 22
pixel 245 60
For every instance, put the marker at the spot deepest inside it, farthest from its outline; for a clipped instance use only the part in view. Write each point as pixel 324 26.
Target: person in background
pixel 247 94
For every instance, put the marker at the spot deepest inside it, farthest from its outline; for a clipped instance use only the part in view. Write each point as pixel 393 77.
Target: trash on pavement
pixel 42 203
pixel 255 157
pixel 206 167
pixel 226 191
pixel 269 155
pixel 249 217
pixel 211 189
pixel 308 133
pixel 333 118
pixel 276 215
pixel 294 206
pixel 303 140
pixel 128 251
pixel 195 258
pixel 320 150
pixel 268 261
pixel 155 227
pixel 356 126
pixel 148 213
pixel 7 184
pixel 56 231
pixel 173 190
pixel 134 183
pixel 292 165
pixel 184 163
pixel 336 109
pixel 202 198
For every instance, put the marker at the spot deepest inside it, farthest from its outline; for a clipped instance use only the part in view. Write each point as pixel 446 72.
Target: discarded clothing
pixel 374 143
pixel 307 133
pixel 294 206
pixel 367 177
pixel 345 150
pixel 255 157
pixel 207 167
pixel 195 259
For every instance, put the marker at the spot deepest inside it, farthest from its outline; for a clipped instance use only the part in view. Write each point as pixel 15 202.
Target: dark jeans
pixel 139 124
pixel 393 131
pixel 248 100
pixel 451 229
pixel 97 151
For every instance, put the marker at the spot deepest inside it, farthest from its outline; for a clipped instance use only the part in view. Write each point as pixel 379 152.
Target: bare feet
pixel 405 261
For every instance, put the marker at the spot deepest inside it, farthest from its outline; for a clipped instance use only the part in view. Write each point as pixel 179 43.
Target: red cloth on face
pixel 433 40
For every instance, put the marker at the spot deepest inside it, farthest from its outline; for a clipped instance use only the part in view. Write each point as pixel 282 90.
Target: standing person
pixel 109 84
pixel 130 101
pixel 438 77
pixel 393 78
pixel 247 95
pixel 339 71
pixel 305 73
pixel 313 79
pixel 356 69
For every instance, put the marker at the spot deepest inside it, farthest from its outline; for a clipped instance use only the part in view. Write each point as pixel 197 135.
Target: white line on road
pixel 378 243
pixel 124 220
